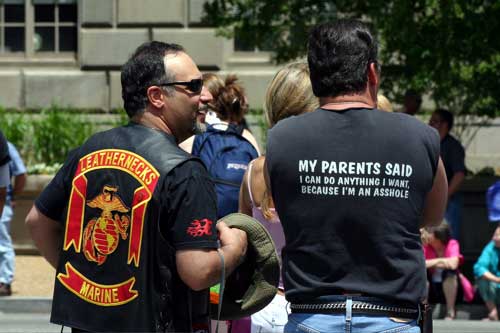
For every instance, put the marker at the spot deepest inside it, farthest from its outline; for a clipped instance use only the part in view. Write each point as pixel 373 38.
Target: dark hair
pixel 446 116
pixel 411 93
pixel 146 67
pixel 229 101
pixel 442 232
pixel 339 54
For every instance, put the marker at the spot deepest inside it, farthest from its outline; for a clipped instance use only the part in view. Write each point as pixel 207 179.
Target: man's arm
pixel 18 186
pixel 18 170
pixel 19 183
pixel 47 235
pixel 201 269
pixel 190 197
pixel 455 182
pixel 435 201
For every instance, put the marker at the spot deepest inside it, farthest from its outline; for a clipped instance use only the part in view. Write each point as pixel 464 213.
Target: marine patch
pixel 102 233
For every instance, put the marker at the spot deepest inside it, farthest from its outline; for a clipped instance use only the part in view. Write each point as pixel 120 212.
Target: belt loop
pixel 348 309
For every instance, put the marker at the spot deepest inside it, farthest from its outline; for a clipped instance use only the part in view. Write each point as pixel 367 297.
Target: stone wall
pixel 108 32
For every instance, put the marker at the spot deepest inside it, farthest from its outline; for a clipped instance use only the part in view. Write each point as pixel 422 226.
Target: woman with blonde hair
pixel 288 94
pixel 384 104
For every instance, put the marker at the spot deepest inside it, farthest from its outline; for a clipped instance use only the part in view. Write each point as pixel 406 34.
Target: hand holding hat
pixel 254 283
pixel 233 239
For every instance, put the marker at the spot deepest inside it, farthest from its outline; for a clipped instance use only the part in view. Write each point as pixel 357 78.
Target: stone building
pixel 69 52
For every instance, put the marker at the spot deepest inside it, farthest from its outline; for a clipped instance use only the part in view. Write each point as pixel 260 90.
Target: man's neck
pixel 347 102
pixel 149 120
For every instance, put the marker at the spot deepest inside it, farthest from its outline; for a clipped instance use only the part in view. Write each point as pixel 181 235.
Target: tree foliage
pixel 445 48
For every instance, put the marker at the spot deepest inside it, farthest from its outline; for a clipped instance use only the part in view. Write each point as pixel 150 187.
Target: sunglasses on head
pixel 195 85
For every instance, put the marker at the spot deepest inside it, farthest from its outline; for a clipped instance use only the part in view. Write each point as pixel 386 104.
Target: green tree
pixel 445 48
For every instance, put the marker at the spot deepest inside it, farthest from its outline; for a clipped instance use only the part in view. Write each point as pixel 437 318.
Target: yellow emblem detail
pixel 102 234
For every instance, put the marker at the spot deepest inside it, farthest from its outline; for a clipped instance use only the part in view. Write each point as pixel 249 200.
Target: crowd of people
pixel 365 221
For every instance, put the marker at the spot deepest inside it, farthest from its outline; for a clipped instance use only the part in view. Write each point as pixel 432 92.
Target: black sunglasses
pixel 195 85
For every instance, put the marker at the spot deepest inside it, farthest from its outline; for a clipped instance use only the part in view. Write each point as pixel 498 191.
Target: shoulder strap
pixel 249 181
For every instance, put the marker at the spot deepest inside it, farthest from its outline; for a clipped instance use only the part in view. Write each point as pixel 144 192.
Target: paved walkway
pixel 34 282
pixel 34 277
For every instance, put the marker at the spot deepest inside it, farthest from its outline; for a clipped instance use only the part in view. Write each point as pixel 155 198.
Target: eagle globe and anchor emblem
pixel 103 233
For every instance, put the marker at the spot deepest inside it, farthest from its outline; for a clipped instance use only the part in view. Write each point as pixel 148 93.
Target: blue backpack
pixel 226 154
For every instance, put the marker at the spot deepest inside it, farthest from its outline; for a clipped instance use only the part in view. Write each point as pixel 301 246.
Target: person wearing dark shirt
pixel 453 156
pixel 412 102
pixel 129 221
pixel 351 195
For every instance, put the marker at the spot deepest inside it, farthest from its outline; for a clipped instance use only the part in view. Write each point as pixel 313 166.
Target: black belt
pixel 359 307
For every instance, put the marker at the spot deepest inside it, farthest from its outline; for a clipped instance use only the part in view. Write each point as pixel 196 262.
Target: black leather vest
pixel 116 272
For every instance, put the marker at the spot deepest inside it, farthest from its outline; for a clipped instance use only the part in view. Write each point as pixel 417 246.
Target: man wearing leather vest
pixel 129 222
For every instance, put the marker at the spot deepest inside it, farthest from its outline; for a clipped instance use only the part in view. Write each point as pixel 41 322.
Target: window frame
pixel 29 54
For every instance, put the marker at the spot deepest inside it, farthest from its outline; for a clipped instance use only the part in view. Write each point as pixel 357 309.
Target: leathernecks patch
pixel 97 225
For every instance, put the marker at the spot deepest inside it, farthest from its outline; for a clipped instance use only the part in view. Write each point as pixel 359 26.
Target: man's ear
pixel 373 75
pixel 155 96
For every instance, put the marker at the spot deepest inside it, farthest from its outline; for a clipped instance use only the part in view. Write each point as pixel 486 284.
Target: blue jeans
pixel 333 323
pixel 453 215
pixel 348 322
pixel 6 249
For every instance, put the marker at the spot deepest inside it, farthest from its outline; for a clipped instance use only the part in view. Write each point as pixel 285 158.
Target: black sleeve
pixel 191 207
pixel 457 160
pixel 4 150
pixel 54 198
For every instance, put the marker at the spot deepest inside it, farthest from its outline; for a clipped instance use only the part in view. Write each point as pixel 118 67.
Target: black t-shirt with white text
pixel 349 188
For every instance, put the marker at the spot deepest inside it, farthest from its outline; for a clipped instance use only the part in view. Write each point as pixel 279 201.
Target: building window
pixel 12 27
pixel 37 27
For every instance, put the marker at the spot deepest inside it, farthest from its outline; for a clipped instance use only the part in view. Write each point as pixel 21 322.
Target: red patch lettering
pixel 200 228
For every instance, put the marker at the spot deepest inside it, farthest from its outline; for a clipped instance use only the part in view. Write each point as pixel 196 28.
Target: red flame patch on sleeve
pixel 200 228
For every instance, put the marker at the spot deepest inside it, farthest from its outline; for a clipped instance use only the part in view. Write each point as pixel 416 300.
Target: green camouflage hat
pixel 254 283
